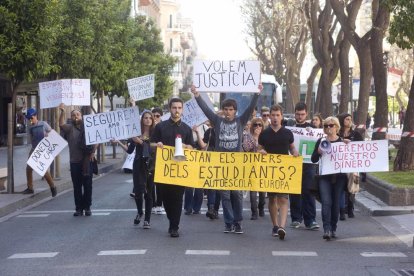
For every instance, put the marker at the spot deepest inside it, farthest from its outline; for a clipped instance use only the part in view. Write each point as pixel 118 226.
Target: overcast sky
pixel 218 28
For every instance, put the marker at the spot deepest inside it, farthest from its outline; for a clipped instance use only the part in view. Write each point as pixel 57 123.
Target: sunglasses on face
pixel 257 125
pixel 157 115
pixel 265 115
pixel 328 126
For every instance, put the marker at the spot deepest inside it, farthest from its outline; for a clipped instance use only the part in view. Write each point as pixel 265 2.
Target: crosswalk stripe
pixel 208 252
pixel 33 255
pixel 100 214
pixel 383 254
pixel 122 252
pixel 295 253
pixel 34 216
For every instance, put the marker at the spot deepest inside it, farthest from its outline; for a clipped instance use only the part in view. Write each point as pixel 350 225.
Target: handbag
pixel 95 166
pixel 353 183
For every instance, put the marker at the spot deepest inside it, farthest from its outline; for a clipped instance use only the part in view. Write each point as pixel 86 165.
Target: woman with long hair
pixel 330 185
pixel 348 134
pixel 317 121
pixel 142 169
pixel 250 144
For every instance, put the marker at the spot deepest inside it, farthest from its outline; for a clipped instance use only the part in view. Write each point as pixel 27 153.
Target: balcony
pixel 175 28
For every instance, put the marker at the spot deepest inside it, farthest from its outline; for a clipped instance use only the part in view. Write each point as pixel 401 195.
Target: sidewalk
pixel 10 203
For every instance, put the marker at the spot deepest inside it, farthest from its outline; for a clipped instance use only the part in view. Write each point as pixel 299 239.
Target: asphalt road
pixel 48 240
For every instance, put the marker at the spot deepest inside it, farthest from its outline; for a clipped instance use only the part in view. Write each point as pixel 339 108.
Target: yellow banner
pixel 230 171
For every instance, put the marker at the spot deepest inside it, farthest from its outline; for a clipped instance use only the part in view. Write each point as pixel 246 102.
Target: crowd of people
pixel 224 132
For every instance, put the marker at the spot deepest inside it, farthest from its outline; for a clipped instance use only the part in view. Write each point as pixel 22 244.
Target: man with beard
pixel 81 157
pixel 165 133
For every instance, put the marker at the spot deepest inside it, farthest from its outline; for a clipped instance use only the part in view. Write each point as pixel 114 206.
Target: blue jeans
pixel 232 202
pixel 213 199
pixel 193 199
pixel 330 192
pixel 83 197
pixel 304 205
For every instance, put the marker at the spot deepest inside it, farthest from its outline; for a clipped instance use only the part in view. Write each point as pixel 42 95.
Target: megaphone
pixel 179 152
pixel 325 145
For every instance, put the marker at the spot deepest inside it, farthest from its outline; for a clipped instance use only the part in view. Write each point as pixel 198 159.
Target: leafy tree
pixel 402 33
pixel 28 32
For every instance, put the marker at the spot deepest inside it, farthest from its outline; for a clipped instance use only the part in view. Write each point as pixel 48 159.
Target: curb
pixel 61 185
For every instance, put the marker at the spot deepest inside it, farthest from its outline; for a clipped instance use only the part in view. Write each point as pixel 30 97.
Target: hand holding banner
pixel 46 151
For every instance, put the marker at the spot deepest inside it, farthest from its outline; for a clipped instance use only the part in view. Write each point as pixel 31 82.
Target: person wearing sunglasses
pixel 229 135
pixel 303 206
pixel 331 185
pixel 265 113
pixel 250 144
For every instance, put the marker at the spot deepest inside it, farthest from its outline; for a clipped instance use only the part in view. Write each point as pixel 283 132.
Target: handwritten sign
pixel 366 156
pixel 305 140
pixel 129 161
pixel 226 76
pixel 192 113
pixel 142 87
pixel 230 171
pixel 46 151
pixel 67 91
pixel 120 124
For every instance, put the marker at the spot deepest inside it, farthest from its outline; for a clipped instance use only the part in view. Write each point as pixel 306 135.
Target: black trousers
pixel 172 198
pixel 82 186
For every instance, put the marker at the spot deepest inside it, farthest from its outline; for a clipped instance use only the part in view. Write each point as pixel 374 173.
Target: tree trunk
pixel 310 82
pixel 404 161
pixel 364 57
pixel 345 80
pixel 324 97
pixel 293 83
pixel 379 70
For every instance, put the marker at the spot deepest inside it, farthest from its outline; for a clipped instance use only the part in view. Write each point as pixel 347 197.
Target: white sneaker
pixel 159 210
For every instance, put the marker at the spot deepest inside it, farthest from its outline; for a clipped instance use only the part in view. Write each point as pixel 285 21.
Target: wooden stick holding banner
pixel 119 124
pixel 230 171
pixel 365 156
pixel 142 87
pixel 66 91
pixel 46 151
pixel 226 76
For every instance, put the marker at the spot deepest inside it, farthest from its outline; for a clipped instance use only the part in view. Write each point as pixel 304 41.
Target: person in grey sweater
pixel 228 138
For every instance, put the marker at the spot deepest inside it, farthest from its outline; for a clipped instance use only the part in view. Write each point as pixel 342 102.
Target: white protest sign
pixel 119 124
pixel 69 92
pixel 46 151
pixel 305 140
pixel 142 87
pixel 226 76
pixel 129 161
pixel 366 156
pixel 192 113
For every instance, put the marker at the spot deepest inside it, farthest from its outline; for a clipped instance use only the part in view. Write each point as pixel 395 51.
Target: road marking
pixel 33 216
pixel 100 214
pixel 122 252
pixel 208 252
pixel 295 253
pixel 384 254
pixel 33 255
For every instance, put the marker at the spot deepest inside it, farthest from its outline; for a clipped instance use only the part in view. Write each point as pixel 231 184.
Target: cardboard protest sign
pixel 129 161
pixel 142 87
pixel 46 151
pixel 192 113
pixel 119 124
pixel 230 171
pixel 366 156
pixel 67 91
pixel 305 140
pixel 226 76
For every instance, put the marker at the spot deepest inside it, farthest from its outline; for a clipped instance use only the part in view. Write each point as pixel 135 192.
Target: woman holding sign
pixel 331 185
pixel 142 169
